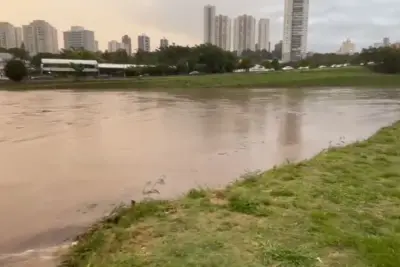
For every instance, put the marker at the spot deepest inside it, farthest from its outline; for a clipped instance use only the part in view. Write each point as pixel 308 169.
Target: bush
pixel 275 64
pixel 133 71
pixel 245 64
pixel 386 60
pixel 15 70
pixel 158 70
pixel 202 68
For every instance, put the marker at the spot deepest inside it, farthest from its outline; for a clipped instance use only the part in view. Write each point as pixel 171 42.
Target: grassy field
pixel 352 76
pixel 341 208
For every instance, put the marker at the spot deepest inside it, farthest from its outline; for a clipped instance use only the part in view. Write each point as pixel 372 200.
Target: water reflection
pixel 290 133
pixel 63 151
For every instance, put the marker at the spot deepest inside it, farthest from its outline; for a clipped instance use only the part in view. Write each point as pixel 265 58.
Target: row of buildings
pixel 10 36
pixel 218 31
pixel 38 36
pixel 143 44
pixel 349 48
pixel 385 43
pixel 41 37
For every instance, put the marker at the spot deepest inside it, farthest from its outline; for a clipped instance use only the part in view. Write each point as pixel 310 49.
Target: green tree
pixel 258 56
pixel 214 58
pixel 78 70
pixel 37 59
pixel 386 59
pixel 266 64
pixel 303 63
pixel 245 63
pixel 171 55
pixel 329 59
pixel 182 67
pixel 182 59
pixel 132 71
pixel 230 60
pixel 106 56
pixel 19 53
pixel 120 56
pixel 15 70
pixel 71 53
pixel 275 64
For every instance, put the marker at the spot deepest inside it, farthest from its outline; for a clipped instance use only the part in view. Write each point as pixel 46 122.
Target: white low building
pixel 64 65
pixel 90 66
pixel 4 57
pixel 116 66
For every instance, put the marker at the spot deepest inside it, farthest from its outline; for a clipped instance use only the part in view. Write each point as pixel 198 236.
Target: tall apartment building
pixel 223 32
pixel 278 49
pixel 96 45
pixel 144 43
pixel 114 46
pixel 263 35
pixel 18 36
pixel 164 43
pixel 7 35
pixel 209 24
pixel 79 38
pixel 40 37
pixel 127 44
pixel 386 41
pixel 347 48
pixel 244 33
pixel 295 30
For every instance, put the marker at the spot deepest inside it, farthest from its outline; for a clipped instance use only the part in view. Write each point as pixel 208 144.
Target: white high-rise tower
pixel 244 33
pixel 40 37
pixel 7 35
pixel 295 30
pixel 263 34
pixel 209 24
pixel 79 38
pixel 223 32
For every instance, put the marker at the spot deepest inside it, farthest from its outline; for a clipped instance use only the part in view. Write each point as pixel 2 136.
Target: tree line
pixel 383 59
pixel 210 59
pixel 204 58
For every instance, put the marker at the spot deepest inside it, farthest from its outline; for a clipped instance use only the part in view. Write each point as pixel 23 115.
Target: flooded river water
pixel 67 157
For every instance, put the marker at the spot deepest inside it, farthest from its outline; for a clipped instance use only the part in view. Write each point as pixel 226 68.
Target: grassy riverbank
pixel 353 76
pixel 340 208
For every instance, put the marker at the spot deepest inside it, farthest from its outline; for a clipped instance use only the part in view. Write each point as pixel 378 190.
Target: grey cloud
pixel 363 21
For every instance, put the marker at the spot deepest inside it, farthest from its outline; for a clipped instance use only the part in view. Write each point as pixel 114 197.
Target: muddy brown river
pixel 66 158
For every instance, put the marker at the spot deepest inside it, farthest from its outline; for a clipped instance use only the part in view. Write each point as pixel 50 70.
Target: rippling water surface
pixel 67 157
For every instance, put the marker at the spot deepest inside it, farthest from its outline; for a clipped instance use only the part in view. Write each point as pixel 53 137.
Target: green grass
pixel 352 76
pixel 340 208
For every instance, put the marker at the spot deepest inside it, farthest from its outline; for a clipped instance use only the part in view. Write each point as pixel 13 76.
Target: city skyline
pixel 39 36
pixel 166 20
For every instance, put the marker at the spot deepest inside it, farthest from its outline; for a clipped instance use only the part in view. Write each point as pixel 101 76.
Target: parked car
pixel 287 68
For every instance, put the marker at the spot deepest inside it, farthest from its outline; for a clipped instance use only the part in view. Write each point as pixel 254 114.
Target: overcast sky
pixel 181 21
